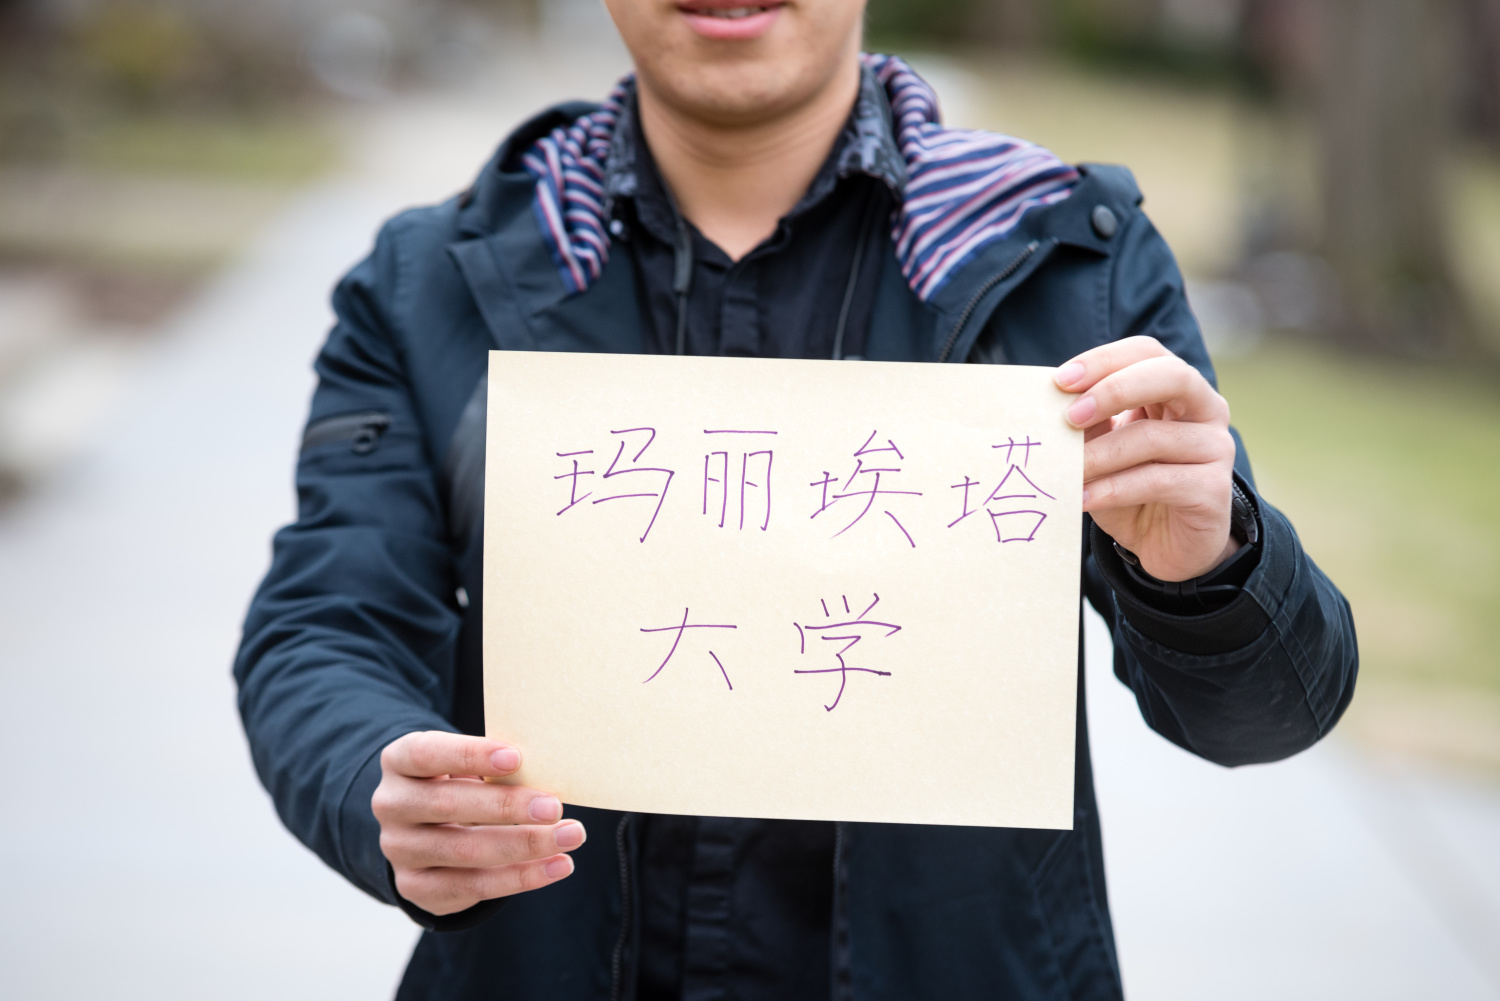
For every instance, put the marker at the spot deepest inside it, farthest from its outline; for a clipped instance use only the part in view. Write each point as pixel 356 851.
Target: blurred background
pixel 181 182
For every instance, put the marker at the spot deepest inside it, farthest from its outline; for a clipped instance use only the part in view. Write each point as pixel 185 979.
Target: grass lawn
pixel 285 149
pixel 1391 474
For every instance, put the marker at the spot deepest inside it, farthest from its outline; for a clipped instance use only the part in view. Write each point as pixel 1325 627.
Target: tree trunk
pixel 1384 117
pixel 1481 29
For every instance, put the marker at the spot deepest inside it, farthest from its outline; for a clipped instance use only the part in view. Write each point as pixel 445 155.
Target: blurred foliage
pixel 1136 35
pixel 148 85
pixel 1131 34
pixel 154 54
pixel 140 53
pixel 917 21
pixel 1190 148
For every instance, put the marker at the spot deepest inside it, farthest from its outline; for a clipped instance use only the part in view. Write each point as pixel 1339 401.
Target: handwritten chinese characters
pixel 727 587
pixel 681 628
pixel 717 467
pixel 624 489
pixel 738 478
pixel 848 631
pixel 1011 505
pixel 738 486
pixel 883 461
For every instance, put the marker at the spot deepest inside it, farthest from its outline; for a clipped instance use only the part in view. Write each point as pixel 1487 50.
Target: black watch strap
pixel 1243 523
pixel 1219 585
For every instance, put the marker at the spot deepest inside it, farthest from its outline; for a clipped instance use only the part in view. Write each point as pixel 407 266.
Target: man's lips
pixel 730 19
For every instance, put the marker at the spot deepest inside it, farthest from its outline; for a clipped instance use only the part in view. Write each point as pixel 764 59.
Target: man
pixel 759 189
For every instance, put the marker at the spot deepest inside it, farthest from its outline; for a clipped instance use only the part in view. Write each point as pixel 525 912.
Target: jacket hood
pixel 963 189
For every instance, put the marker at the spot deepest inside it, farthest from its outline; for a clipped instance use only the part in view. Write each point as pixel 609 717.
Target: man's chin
pixel 742 95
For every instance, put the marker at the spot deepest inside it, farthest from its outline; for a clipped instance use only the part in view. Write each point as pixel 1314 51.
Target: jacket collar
pixel 964 306
pixel 514 274
pixel 515 284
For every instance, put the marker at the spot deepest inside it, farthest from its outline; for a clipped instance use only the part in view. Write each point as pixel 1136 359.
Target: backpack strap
pixel 462 471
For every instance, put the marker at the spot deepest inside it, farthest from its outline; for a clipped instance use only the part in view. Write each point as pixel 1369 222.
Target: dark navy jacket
pixel 367 625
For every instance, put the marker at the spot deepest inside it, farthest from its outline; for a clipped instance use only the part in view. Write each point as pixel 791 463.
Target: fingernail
pixel 1070 373
pixel 569 836
pixel 546 809
pixel 507 759
pixel 1085 496
pixel 558 867
pixel 1081 412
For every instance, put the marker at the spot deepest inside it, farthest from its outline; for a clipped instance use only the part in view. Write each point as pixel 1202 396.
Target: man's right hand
pixel 454 839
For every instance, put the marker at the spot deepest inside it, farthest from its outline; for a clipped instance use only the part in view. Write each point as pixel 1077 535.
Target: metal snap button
pixel 1105 223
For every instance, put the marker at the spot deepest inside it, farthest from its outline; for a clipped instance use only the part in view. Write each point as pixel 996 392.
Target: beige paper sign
pixel 786 589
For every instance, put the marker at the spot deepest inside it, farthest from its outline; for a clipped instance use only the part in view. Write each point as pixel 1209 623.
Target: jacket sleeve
pixel 1269 673
pixel 348 644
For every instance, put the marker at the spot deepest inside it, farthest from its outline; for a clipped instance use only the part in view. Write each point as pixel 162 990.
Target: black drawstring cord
pixel 865 225
pixel 682 267
pixel 682 278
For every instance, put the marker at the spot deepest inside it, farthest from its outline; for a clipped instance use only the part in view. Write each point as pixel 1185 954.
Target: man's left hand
pixel 1158 455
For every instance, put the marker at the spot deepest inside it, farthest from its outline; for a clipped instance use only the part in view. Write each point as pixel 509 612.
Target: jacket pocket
pixel 361 431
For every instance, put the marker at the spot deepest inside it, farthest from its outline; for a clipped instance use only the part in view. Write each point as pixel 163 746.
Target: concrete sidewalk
pixel 146 861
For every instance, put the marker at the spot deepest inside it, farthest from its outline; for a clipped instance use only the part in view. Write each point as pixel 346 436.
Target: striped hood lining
pixel 964 189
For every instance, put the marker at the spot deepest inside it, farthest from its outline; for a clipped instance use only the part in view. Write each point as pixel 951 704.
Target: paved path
pixel 145 861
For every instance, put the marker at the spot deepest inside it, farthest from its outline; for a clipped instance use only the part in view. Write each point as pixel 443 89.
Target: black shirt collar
pixel 866 145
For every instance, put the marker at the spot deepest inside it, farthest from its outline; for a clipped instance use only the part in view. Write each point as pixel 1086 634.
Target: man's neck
pixel 735 182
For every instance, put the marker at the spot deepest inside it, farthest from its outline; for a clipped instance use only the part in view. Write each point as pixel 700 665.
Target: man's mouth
pixel 729 13
pixel 728 20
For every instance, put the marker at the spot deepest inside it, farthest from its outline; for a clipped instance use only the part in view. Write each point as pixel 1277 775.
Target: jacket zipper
pixel 841 988
pixel 617 962
pixel 361 430
pixel 984 290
